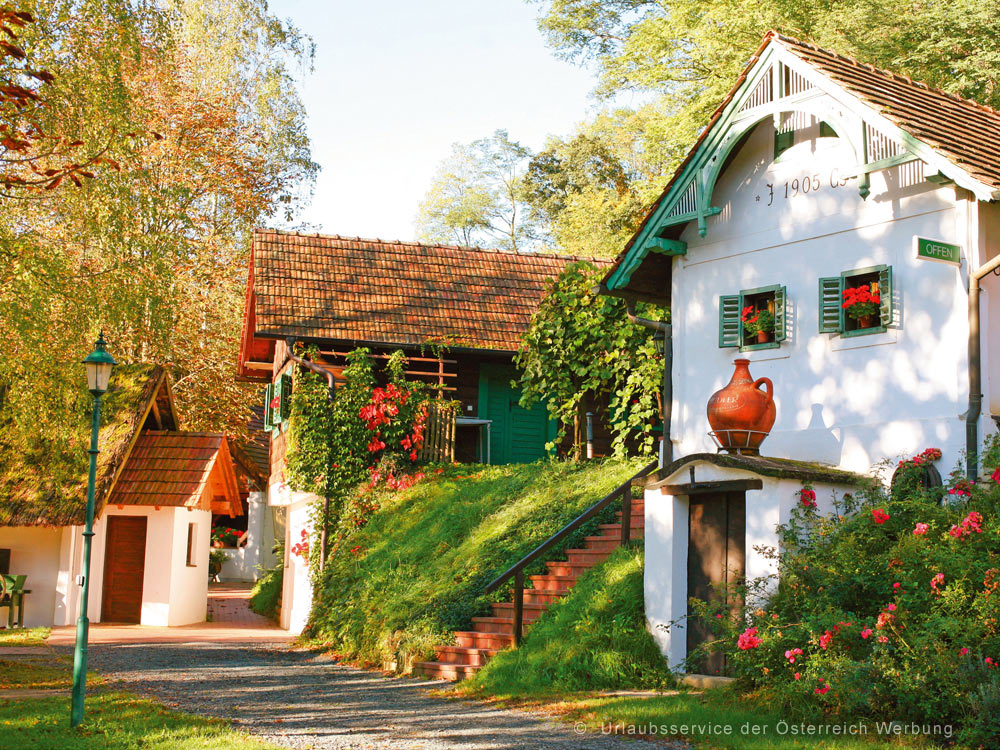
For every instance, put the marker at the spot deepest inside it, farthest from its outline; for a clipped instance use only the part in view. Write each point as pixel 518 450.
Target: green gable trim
pixel 841 113
pixel 667 247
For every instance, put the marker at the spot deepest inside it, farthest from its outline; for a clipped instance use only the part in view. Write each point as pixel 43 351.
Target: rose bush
pixel 887 608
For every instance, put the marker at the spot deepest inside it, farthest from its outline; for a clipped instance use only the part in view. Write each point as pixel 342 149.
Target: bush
pixel 894 603
pixel 266 593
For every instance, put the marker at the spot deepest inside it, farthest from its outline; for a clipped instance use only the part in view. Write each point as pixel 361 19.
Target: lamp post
pixel 98 364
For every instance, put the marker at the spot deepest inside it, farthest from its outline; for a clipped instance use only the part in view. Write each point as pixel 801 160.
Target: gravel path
pixel 304 700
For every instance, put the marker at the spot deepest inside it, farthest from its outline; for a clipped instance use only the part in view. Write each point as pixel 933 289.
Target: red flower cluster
pixel 807 497
pixel 925 457
pixel 962 488
pixel 276 402
pixel 747 312
pixel 302 548
pixel 860 295
pixel 968 526
pixel 880 516
pixel 824 688
pixel 936 581
pixel 824 640
pixel 792 653
pixel 748 639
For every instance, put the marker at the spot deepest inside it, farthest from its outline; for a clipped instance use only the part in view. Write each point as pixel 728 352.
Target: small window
pixel 192 560
pixel 857 302
pixel 753 319
pixel 278 403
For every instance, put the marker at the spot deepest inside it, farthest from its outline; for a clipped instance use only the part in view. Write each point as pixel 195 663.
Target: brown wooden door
pixel 716 560
pixel 124 564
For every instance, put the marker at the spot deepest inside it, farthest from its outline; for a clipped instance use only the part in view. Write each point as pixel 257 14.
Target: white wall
pixel 296 591
pixel 666 543
pixel 188 598
pixel 35 552
pixel 846 401
pixel 243 561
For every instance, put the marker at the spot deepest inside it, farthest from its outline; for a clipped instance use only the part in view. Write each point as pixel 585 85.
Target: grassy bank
pixel 417 571
pixel 595 638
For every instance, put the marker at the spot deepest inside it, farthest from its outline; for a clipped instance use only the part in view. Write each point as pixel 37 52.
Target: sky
pixel 397 82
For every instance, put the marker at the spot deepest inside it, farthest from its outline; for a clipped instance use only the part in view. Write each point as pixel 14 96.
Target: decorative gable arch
pixel 776 84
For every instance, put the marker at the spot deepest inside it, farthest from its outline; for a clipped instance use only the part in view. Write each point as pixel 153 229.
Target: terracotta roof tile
pixel 352 289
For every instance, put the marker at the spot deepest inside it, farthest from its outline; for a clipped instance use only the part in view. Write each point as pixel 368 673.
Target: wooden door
pixel 124 564
pixel 716 561
pixel 517 435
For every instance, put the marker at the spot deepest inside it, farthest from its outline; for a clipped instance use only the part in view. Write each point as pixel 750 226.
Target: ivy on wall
pixel 581 344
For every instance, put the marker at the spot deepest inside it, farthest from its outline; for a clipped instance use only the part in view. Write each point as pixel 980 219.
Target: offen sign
pixel 943 252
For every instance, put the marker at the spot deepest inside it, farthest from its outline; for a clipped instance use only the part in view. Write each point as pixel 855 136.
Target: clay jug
pixel 741 414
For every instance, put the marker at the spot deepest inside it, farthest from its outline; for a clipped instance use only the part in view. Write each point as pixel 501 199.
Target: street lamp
pixel 98 364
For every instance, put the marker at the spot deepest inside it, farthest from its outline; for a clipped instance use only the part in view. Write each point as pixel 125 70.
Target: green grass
pixel 112 720
pixel 691 714
pixel 418 570
pixel 594 638
pixel 23 637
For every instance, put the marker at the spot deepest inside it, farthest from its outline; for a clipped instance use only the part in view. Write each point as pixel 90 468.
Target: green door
pixel 517 435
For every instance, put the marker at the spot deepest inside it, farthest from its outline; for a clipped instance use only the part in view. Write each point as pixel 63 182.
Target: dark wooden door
pixel 124 564
pixel 716 561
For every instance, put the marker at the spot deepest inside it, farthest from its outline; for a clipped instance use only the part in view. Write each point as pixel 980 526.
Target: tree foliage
pixel 195 102
pixel 580 344
pixel 477 197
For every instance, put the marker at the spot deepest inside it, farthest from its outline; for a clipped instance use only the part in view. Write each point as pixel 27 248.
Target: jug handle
pixel 770 387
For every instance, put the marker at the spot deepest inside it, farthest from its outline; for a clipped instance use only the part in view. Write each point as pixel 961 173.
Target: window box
pixel 732 332
pixel 833 318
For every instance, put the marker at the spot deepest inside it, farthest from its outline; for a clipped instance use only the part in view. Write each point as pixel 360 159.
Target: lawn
pixel 112 720
pixel 23 637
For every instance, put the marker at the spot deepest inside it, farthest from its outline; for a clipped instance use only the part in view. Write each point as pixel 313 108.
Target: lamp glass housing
pixel 99 364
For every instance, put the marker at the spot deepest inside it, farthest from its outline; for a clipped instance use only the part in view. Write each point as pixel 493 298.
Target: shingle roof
pixel 399 293
pixel 964 132
pixel 174 469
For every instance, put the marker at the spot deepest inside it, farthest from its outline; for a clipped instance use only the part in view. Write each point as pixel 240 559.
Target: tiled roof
pixel 169 469
pixel 962 131
pixel 399 293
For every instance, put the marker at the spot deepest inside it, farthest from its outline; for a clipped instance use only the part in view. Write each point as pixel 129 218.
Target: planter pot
pixel 218 545
pixel 866 321
pixel 765 337
pixel 741 414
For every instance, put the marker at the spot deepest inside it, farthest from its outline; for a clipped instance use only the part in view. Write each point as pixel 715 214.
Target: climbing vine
pixel 582 344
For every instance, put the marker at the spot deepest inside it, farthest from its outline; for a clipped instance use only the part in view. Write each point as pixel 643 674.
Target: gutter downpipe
pixel 975 370
pixel 666 447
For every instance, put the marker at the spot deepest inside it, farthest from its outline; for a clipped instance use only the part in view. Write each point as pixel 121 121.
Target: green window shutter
pixel 268 395
pixel 779 313
pixel 285 409
pixel 831 314
pixel 730 307
pixel 885 294
pixel 826 130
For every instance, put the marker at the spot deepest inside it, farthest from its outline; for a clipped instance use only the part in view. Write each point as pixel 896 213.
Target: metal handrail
pixel 517 570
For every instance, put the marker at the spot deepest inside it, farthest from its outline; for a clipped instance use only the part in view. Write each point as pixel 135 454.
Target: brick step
pixel 486 640
pixel 553 583
pixel 585 557
pixel 530 612
pixel 602 544
pixel 470 656
pixel 637 515
pixel 444 671
pixel 540 596
pixel 616 528
pixel 567 569
pixel 503 625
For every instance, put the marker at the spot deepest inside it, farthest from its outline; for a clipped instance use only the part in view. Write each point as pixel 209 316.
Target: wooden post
pixel 626 515
pixel 518 606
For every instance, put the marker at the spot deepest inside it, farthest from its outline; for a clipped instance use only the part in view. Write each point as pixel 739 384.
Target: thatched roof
pixel 43 487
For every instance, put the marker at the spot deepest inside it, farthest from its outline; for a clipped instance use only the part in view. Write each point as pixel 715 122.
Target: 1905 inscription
pixel 808 183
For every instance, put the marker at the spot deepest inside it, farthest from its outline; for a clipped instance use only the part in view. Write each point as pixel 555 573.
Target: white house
pixel 157 491
pixel 816 175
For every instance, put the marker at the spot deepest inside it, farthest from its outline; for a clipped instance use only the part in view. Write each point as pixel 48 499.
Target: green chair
pixel 12 593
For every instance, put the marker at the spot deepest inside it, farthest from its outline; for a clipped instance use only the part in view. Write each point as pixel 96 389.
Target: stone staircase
pixel 473 648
